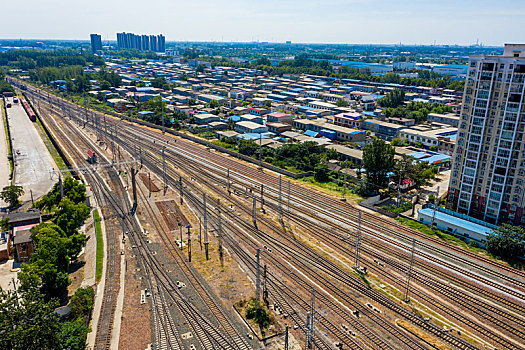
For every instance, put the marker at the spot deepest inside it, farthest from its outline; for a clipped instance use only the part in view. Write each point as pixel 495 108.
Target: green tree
pixel 321 173
pixel 71 216
pixel 74 190
pixel 158 83
pixel 27 321
pixel 11 193
pixel 507 241
pixel 4 224
pixel 392 99
pixel 330 154
pixel 397 142
pixel 82 304
pixel 105 85
pixel 49 263
pixel 214 104
pixel 378 159
pixel 258 313
pixel 341 103
pixel 200 68
pixel 418 172
pixel 73 335
pixel 247 147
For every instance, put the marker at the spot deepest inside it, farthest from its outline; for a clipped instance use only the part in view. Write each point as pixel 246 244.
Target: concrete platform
pixel 8 273
pixel 34 166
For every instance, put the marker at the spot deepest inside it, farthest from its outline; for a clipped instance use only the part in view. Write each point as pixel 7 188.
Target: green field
pixel 100 246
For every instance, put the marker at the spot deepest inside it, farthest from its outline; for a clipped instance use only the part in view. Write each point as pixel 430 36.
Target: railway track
pixel 111 286
pixel 511 329
pixel 427 237
pixel 336 206
pixel 316 276
pixel 161 315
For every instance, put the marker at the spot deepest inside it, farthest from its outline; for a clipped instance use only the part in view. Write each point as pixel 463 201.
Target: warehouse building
pixel 244 127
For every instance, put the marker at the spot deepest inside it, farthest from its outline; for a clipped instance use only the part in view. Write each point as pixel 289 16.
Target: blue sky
pixel 333 21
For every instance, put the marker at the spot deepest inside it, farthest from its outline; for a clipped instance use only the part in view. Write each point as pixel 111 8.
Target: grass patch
pixel 437 233
pixel 8 138
pixel 100 246
pixel 223 144
pixel 331 187
pixel 52 150
pixel 432 341
pixel 401 209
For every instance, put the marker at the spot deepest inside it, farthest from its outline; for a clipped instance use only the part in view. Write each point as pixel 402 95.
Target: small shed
pixel 23 244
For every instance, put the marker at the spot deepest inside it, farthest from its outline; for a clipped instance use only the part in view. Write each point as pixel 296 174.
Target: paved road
pixel 4 162
pixel 33 164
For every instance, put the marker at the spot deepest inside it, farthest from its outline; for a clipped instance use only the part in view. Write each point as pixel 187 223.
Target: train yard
pixel 326 260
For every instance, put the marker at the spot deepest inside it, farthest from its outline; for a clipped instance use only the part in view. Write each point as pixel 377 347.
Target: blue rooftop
pixel 145 112
pixel 437 159
pixel 418 155
pixel 255 136
pixel 235 118
pixel 468 225
pixel 311 133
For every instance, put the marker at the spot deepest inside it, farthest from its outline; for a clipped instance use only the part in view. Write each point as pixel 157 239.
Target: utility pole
pixel 258 278
pixel 358 242
pixel 262 199
pixel 85 110
pixel 189 244
pixel 140 156
pixel 180 232
pixel 265 287
pixel 164 174
pixel 228 184
pixel 220 235
pixel 399 185
pixel 409 272
pixel 254 213
pixel 343 198
pixel 288 197
pixel 260 151
pixel 200 233
pixel 162 107
pixel 181 190
pixel 436 201
pixel 61 185
pixel 105 132
pixel 149 183
pixel 134 186
pixel 307 331
pixel 112 145
pixel 280 197
pixel 286 339
pixel 205 224
pixel 310 319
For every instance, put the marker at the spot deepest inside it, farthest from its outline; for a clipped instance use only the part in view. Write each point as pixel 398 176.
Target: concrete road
pixel 33 164
pixel 4 162
pixel 8 273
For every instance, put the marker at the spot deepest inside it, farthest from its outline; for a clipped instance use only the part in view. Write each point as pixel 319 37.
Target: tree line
pixel 32 323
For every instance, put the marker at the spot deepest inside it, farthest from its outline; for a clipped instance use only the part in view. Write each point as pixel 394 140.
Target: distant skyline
pixel 329 21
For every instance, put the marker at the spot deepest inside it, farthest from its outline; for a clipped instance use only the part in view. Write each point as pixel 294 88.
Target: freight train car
pixel 28 109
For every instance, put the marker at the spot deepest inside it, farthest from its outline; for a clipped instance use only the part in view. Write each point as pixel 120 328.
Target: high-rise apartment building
pixel 96 42
pixel 161 43
pixel 488 169
pixel 153 43
pixel 141 42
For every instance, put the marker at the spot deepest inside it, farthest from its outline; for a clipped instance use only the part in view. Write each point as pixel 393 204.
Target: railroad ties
pixel 172 214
